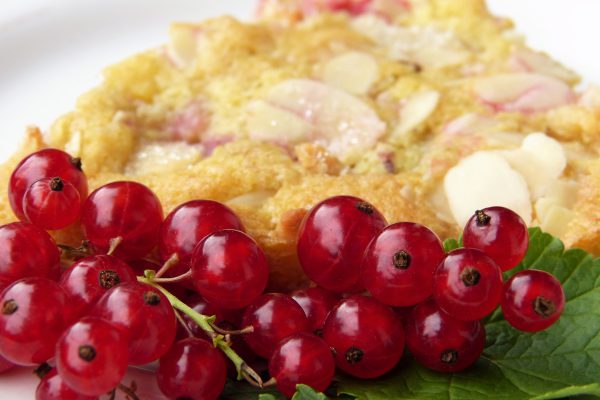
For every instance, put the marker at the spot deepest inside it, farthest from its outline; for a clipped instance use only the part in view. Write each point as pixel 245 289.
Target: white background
pixel 52 50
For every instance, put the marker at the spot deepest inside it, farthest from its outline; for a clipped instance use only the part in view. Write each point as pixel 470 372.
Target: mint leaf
pixel 450 244
pixel 266 396
pixel 560 362
pixel 241 390
pixel 304 392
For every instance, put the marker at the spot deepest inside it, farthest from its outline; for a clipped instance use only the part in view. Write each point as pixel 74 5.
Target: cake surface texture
pixel 428 109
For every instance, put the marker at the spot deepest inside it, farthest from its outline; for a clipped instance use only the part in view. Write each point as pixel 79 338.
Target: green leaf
pixel 304 392
pixel 266 396
pixel 560 362
pixel 450 244
pixel 243 391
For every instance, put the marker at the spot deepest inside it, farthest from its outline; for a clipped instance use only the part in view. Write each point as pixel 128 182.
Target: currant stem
pixel 184 324
pixel 270 382
pixel 206 323
pixel 74 252
pixel 113 244
pixel 171 262
pixel 174 279
pixel 247 329
pixel 130 392
pixel 202 320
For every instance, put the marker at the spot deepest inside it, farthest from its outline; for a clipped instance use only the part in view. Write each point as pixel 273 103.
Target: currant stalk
pixel 206 323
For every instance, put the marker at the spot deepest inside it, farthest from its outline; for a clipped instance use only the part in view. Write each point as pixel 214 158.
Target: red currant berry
pixel 34 312
pixel 52 203
pixel 397 268
pixel 145 317
pixel 5 365
pixel 192 369
pixel 367 337
pixel 187 225
pixel 332 239
pixel 532 300
pixel 140 266
pixel 126 210
pixel 467 284
pixel 229 320
pixel 440 342
pixel 500 233
pixel 89 278
pixel 302 359
pixel 27 251
pixel 316 303
pixel 274 317
pixel 229 269
pixel 91 356
pixel 45 163
pixel 52 387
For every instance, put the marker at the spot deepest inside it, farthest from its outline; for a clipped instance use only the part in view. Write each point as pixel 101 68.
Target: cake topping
pixel 522 92
pixel 340 122
pixel 483 179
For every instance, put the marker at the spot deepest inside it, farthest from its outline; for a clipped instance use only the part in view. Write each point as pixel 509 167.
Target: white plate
pixel 52 50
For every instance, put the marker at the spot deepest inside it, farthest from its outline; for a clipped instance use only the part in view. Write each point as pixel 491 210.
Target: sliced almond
pixel 185 39
pixel 485 179
pixel 354 71
pixel 540 159
pixel 342 123
pixel 526 60
pixel 270 123
pixel 252 199
pixel 415 111
pixel 523 92
pixel 424 45
pixel 556 220
pixel 158 157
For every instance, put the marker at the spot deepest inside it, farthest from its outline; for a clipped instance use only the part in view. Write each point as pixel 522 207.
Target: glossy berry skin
pixel 5 365
pixel 367 336
pixel 52 203
pixel 397 268
pixel 52 387
pixel 440 342
pixel 229 269
pixel 45 163
pixel 187 225
pixel 302 358
pixel 27 251
pixel 316 303
pixel 91 356
pixel 122 209
pixel 192 369
pixel 332 239
pixel 532 300
pixel 89 278
pixel 467 284
pixel 274 317
pixel 143 315
pixel 33 314
pixel 140 265
pixel 224 319
pixel 500 233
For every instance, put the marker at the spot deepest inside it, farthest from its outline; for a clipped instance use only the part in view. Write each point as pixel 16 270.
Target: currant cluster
pixel 416 294
pixel 188 290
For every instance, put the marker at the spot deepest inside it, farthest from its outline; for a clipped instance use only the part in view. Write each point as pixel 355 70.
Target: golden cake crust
pixel 182 119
